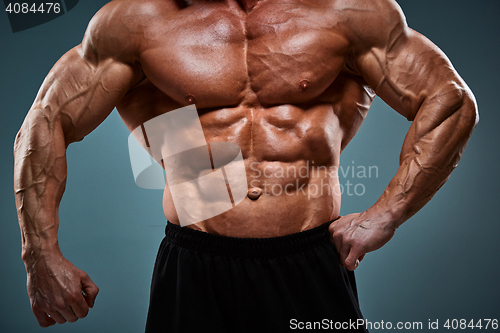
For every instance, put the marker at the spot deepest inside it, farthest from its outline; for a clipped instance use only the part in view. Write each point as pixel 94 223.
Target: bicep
pixel 410 72
pixel 79 94
pixel 417 79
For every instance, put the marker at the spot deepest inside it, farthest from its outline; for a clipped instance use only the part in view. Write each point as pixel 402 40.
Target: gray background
pixel 441 264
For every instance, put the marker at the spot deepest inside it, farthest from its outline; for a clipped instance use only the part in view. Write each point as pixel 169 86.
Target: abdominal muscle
pixel 291 156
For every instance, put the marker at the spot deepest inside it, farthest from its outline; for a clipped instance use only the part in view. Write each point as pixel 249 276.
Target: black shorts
pixel 210 283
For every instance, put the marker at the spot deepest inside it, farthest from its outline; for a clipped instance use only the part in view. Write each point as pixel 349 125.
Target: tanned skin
pixel 289 81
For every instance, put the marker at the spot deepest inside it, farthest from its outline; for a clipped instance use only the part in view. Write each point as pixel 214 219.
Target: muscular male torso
pixel 288 81
pixel 271 77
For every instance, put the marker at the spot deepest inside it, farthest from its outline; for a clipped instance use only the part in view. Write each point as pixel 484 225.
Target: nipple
pixel 254 193
pixel 304 84
pixel 190 98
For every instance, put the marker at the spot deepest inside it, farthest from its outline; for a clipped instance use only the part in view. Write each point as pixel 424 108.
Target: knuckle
pixel 71 297
pixel 74 296
pixel 84 274
pixel 337 235
pixel 59 304
pixel 40 309
pixel 357 243
pixel 84 313
pixel 347 239
pixel 35 306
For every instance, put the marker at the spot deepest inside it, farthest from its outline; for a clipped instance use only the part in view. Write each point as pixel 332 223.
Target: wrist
pixel 390 217
pixel 32 251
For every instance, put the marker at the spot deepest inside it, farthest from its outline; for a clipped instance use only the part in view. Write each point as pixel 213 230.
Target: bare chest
pixel 216 57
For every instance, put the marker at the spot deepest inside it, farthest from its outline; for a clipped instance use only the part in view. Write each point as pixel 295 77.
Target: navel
pixel 254 193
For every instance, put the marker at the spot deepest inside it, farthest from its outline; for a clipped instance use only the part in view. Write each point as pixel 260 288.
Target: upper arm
pixel 404 68
pixel 87 82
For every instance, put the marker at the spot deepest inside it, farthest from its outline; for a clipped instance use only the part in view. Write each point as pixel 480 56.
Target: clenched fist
pixel 354 235
pixel 58 291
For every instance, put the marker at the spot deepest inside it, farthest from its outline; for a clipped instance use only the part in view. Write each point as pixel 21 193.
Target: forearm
pixel 431 150
pixel 39 181
pixel 75 98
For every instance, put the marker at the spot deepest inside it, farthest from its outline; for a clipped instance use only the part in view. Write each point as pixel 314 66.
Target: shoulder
pixel 117 29
pixel 374 23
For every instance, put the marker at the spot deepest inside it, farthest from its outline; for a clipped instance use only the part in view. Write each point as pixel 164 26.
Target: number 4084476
pixel 464 324
pixel 25 8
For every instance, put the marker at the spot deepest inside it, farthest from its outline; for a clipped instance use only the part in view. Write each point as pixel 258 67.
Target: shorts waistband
pixel 247 247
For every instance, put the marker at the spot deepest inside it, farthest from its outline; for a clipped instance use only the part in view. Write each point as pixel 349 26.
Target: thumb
pixel 89 289
pixel 353 259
